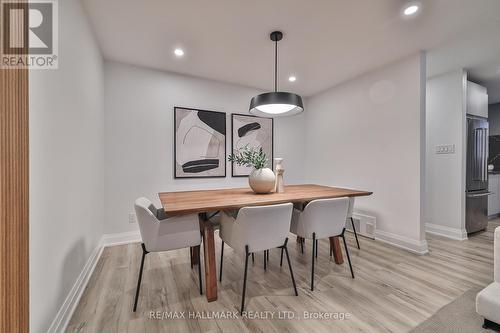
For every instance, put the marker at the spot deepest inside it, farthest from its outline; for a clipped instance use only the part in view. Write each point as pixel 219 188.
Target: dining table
pixel 206 203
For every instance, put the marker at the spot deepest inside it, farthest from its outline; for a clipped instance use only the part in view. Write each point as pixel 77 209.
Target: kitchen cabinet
pixel 477 100
pixel 494 199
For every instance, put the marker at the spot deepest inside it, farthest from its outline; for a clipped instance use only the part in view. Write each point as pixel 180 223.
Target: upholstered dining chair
pixel 161 233
pixel 321 218
pixel 255 229
pixel 349 219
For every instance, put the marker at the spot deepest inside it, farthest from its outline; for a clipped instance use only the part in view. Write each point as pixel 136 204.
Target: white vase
pixel 279 171
pixel 262 180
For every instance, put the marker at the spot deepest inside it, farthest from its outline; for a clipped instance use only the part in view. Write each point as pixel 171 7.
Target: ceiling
pixel 477 50
pixel 325 41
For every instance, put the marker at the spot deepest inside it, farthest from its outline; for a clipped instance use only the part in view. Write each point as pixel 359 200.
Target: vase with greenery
pixel 261 179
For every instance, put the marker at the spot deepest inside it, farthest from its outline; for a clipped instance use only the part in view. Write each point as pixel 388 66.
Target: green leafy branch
pixel 249 157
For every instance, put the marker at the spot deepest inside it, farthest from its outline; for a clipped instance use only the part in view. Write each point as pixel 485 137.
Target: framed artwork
pixel 199 143
pixel 255 132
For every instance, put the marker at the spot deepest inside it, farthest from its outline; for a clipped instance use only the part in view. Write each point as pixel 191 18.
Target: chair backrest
pixel 325 217
pixel 263 227
pixel 148 223
pixel 350 210
pixel 496 254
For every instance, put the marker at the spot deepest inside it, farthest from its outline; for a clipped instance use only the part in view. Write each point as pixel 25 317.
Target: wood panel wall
pixel 14 246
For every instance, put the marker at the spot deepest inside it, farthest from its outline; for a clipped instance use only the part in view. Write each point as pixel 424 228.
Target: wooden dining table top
pixel 201 201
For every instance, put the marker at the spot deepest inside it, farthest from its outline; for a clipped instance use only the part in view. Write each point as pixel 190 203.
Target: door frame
pixel 14 193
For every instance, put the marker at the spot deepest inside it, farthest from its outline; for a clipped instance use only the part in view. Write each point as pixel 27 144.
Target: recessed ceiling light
pixel 411 9
pixel 179 52
pixel 292 78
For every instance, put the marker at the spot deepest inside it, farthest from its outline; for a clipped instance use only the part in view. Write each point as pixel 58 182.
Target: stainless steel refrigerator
pixel 476 218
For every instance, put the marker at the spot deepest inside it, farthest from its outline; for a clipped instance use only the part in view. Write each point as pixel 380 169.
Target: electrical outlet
pixel 445 149
pixel 131 218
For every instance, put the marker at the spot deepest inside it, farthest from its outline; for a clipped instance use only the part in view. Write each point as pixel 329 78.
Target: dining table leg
pixel 209 258
pixel 337 250
pixel 194 255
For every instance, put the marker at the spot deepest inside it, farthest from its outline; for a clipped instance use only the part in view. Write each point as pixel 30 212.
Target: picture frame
pixel 241 126
pixel 199 143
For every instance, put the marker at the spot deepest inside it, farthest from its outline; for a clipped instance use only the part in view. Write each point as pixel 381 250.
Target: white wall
pixel 139 106
pixel 494 118
pixel 66 165
pixel 367 134
pixel 445 188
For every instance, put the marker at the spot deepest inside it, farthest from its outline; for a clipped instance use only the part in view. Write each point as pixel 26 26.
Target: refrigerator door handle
pixel 485 154
pixel 476 170
pixel 481 154
pixel 479 195
pixel 475 154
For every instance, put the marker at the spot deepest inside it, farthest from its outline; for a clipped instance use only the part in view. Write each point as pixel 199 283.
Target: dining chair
pixel 161 233
pixel 254 229
pixel 323 218
pixel 349 219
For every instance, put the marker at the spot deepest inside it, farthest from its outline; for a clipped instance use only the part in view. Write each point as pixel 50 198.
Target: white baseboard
pixel 419 247
pixel 61 321
pixel 452 233
pixel 121 238
pixel 65 313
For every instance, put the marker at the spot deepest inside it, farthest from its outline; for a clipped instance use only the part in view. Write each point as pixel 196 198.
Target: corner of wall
pixel 464 150
pixel 423 140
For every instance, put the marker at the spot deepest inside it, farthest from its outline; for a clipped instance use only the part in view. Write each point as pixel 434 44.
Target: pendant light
pixel 277 103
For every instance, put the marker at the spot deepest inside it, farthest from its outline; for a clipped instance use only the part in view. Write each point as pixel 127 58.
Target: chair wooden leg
pixel 355 233
pixel 312 261
pixel 221 260
pixel 290 267
pixel 247 254
pixel 199 269
pixel 144 252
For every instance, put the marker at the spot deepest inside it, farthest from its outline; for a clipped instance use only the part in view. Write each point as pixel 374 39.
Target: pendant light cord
pixel 276 66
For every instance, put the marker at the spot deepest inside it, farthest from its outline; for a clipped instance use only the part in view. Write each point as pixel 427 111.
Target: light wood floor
pixel 393 291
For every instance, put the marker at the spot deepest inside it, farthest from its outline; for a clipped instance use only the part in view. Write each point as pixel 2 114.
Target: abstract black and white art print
pixel 255 132
pixel 199 143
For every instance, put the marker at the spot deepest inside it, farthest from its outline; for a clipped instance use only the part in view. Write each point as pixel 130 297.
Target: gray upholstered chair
pixel 254 229
pixel 160 233
pixel 321 218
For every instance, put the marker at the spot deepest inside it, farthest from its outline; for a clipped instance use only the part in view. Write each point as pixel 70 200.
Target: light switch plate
pixel 445 149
